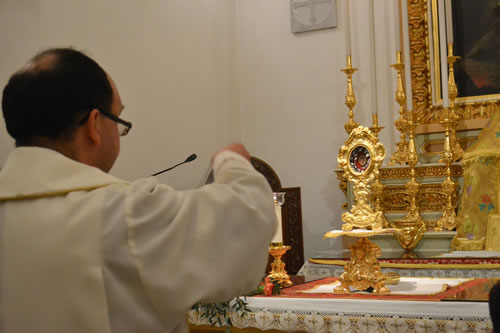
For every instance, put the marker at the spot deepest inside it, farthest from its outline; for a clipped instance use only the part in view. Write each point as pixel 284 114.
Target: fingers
pixel 236 148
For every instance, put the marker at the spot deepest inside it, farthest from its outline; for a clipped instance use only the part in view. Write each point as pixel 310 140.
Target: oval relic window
pixel 360 159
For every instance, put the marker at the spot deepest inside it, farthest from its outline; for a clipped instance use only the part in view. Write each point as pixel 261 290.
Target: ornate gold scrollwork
pixel 343 188
pixel 378 193
pixel 278 271
pixel 395 198
pixel 410 232
pixel 360 158
pixel 363 270
pixel 430 198
pixel 421 172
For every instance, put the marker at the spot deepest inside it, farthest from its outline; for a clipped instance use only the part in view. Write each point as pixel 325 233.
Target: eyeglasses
pixel 123 125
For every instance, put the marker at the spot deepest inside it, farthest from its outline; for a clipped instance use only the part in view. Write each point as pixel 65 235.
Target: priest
pixel 83 251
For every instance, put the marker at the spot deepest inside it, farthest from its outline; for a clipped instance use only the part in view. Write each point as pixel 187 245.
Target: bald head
pixel 52 94
pixel 43 61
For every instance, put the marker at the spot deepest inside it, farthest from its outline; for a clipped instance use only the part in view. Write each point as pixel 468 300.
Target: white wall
pixel 195 75
pixel 173 62
pixel 292 95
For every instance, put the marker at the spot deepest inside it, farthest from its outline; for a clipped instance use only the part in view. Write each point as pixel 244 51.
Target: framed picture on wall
pixel 476 25
pixel 309 15
pixel 476 32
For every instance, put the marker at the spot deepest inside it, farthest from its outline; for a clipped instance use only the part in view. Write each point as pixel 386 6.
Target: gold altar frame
pixel 424 36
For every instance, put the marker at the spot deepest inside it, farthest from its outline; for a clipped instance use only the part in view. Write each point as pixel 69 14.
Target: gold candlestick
pixel 412 227
pixel 350 99
pixel 400 156
pixel 378 187
pixel 456 150
pixel 448 219
pixel 378 192
pixel 278 272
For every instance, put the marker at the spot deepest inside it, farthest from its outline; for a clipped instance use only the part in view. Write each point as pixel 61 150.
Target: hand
pixel 235 147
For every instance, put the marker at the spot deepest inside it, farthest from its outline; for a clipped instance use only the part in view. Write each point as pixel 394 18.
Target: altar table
pixel 461 308
pixel 417 267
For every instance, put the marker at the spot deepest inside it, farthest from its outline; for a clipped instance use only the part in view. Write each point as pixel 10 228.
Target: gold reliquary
pixel 360 159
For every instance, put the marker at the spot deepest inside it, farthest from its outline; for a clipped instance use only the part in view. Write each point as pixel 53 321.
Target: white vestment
pixel 84 252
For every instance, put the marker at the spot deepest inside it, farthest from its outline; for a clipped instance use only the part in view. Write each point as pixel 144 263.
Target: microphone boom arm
pixel 190 158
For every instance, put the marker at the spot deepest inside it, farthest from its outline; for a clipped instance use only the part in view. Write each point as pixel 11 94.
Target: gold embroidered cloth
pixel 479 202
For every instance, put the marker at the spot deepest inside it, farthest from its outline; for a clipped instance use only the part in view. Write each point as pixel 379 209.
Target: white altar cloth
pixel 358 315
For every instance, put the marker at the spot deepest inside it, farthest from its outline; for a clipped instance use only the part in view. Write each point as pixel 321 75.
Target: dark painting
pixel 476 30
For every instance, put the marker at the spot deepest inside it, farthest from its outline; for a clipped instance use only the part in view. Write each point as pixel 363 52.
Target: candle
pixel 443 54
pixel 449 22
pixel 406 46
pixel 347 29
pixel 373 62
pixel 397 25
pixel 375 119
pixel 278 236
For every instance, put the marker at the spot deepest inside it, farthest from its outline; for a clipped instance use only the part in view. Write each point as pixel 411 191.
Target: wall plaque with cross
pixel 308 15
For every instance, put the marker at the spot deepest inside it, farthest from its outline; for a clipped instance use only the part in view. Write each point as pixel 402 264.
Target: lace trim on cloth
pixel 310 321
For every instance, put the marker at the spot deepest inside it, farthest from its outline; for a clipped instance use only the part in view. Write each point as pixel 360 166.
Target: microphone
pixel 190 158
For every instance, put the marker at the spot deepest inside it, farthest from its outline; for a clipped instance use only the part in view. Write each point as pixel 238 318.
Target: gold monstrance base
pixel 363 270
pixel 278 272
